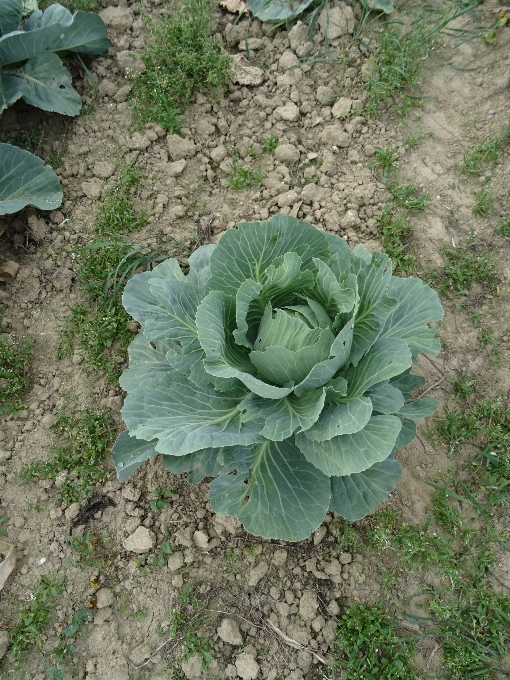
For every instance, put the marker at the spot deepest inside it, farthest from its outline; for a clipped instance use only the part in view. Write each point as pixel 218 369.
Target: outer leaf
pixel 385 359
pixel 10 91
pixel 178 301
pixel 22 45
pixel 186 418
pixel 199 265
pixel 355 496
pixel 248 251
pixel 386 398
pixel 25 180
pixel 342 419
pixel 138 298
pixel 421 408
pixel 85 35
pixel 352 452
pixel 406 382
pixel 275 11
pixel 282 417
pixel 337 246
pixel 47 84
pixel 129 453
pixel 198 465
pixel 145 361
pixel 406 434
pixel 215 320
pixel 275 492
pixel 11 12
pixel 417 306
pixel 385 6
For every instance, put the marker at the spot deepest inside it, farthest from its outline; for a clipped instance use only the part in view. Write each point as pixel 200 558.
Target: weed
pixel 347 539
pixel 464 386
pixel 484 201
pixel 394 230
pixel 465 268
pixel 15 356
pixel 185 629
pixel 485 336
pixel 484 155
pixel 229 558
pixel 3 521
pixel 29 138
pixel 408 197
pixel 35 615
pixel 82 438
pixel 369 648
pixel 504 227
pixel 270 143
pixel 386 159
pixel 159 501
pixel 241 177
pixel 180 59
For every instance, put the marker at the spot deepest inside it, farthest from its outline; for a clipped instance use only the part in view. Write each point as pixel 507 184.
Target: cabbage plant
pixel 280 366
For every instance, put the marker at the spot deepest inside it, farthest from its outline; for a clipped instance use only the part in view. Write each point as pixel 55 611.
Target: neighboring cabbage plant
pixel 280 365
pixel 30 68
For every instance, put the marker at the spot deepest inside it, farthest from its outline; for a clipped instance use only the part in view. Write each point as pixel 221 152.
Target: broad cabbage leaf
pixel 280 365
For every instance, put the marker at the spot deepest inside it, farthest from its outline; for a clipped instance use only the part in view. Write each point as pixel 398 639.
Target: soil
pixel 249 589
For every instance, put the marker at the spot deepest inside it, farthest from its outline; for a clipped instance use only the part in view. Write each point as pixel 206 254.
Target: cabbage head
pixel 280 366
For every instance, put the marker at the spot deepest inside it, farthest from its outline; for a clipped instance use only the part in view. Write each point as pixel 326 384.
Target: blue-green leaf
pixel 386 398
pixel 10 91
pixel 199 265
pixel 47 84
pixel 129 453
pixel 333 297
pixel 11 12
pixel 186 418
pixel 355 496
pixel 418 305
pixel 248 292
pixel 421 408
pixel 145 361
pixel 406 382
pixel 342 419
pixel 385 359
pixel 356 452
pixel 198 465
pixel 406 434
pixel 276 11
pixel 274 492
pixel 22 45
pixel 25 180
pixel 247 252
pixel 282 417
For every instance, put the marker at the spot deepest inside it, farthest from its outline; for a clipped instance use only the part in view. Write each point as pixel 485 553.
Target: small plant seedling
pixel 484 201
pixel 269 144
pixel 464 386
pixel 3 522
pixel 386 159
pixel 465 268
pixel 158 503
pixel 394 229
pixel 408 197
pixel 504 227
pixel 484 155
pixel 241 177
pixel 485 336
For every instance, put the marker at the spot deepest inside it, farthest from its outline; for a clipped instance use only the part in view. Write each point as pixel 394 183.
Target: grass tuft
pixel 241 177
pixel 180 59
pixel 394 230
pixel 15 356
pixel 484 201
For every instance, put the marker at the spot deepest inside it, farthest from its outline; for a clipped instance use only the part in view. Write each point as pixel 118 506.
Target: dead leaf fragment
pixel 244 74
pixel 10 551
pixel 9 271
pixel 234 6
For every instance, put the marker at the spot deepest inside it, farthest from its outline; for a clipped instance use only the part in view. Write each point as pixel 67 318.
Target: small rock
pixel 104 598
pixel 139 142
pixel 298 36
pixel 130 493
pixel 350 220
pixel 218 154
pixel 337 21
pixel 55 513
pixel 229 632
pixel 102 616
pixel 345 558
pixel 251 44
pixel 176 168
pixel 192 667
pixel 287 153
pixel 122 94
pixel 103 169
pixel 130 64
pixel 5 455
pixel 141 541
pixel 325 95
pixel 257 573
pixel 342 108
pixel 288 112
pixel 92 189
pixel 183 537
pixel 287 60
pixel 319 535
pixel 334 568
pixel 120 18
pixel 308 605
pixel 334 135
pixel 201 540
pixel 279 558
pixel 246 666
pixel 4 642
pixel 38 227
pixel 288 198
pixel 175 561
pixel 179 147
pixel 72 511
